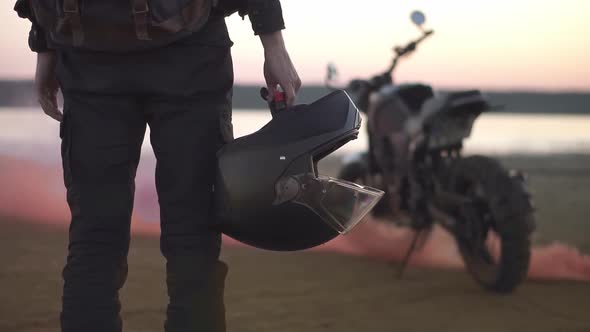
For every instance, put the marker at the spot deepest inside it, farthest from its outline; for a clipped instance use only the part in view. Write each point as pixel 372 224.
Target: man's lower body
pixel 183 93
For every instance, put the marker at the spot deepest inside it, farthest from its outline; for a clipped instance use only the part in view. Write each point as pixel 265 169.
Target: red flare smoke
pixel 35 192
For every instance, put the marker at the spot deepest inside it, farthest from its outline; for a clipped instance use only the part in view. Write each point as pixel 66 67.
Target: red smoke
pixel 35 192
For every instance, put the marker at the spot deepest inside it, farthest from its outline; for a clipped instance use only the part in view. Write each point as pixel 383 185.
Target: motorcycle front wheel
pixel 357 171
pixel 492 230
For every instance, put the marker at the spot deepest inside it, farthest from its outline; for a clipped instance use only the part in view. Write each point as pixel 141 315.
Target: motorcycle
pixel 415 155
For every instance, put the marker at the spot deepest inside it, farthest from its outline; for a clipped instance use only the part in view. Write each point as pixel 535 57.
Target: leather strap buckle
pixel 140 7
pixel 71 7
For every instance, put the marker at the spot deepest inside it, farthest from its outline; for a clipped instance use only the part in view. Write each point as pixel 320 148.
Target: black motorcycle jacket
pixel 266 16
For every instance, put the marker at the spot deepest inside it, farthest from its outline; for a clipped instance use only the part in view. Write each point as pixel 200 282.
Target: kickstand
pixel 409 253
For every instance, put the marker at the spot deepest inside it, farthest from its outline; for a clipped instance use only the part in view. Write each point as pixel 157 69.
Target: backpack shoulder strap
pixel 71 10
pixel 140 9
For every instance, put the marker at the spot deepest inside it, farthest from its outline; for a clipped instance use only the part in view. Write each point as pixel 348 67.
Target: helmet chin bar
pixel 340 204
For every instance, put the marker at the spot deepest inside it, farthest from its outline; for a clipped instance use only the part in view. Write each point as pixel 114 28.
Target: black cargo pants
pixel 183 92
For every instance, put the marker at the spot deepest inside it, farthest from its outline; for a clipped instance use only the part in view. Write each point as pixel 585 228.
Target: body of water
pixel 29 133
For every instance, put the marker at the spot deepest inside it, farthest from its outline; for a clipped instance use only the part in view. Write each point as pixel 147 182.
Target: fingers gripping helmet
pixel 268 192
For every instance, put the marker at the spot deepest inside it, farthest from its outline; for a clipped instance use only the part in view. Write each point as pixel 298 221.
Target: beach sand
pixel 323 291
pixel 289 292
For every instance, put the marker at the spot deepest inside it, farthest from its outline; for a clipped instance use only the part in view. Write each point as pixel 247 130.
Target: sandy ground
pixel 325 291
pixel 290 292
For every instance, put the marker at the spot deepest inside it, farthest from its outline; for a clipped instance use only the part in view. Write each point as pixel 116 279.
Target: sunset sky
pixel 501 44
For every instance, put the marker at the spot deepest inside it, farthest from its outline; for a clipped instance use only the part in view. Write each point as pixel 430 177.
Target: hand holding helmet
pixel 278 103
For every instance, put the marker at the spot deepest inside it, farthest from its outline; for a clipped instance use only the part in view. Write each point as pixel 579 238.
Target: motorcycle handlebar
pixel 412 45
pixel 378 81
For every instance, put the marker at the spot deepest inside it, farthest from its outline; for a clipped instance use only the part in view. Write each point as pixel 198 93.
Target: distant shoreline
pixel 20 94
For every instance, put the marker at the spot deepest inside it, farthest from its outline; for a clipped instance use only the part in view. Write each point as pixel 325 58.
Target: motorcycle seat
pixel 456 101
pixel 465 98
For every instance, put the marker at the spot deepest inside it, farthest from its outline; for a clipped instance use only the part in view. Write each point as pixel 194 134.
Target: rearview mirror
pixel 418 18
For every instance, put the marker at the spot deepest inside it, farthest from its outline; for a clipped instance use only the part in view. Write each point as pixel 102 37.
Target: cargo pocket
pixel 65 133
pixel 226 127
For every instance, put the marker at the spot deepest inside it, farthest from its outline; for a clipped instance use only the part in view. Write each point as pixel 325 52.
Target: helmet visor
pixel 341 204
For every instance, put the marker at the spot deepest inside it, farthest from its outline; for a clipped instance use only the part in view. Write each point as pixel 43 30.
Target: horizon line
pixel 317 84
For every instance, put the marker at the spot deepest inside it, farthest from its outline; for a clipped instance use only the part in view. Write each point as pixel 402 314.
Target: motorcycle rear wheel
pixel 493 232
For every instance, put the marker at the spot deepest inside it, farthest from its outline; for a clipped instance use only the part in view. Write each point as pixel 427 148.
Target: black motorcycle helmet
pixel 360 91
pixel 268 190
